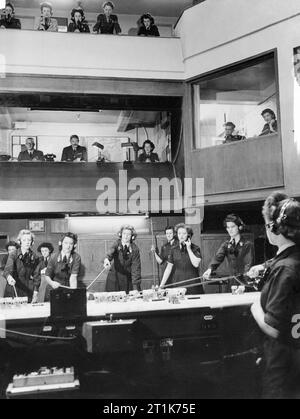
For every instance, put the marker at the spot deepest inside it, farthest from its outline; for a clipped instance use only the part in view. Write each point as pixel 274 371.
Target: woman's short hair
pixel 233 218
pixel 23 233
pixel 130 228
pixel 170 228
pixel 147 16
pixel 49 246
pixel 8 4
pixel 272 113
pixel 149 142
pixel 11 243
pixel 108 3
pixel 284 212
pixel 188 229
pixel 46 4
pixel 70 236
pixel 77 10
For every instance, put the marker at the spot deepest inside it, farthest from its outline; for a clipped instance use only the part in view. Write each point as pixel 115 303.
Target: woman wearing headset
pixel 22 269
pixel 47 22
pixel 78 23
pixel 63 267
pixel 280 298
pixel 126 270
pixel 147 155
pixel 184 258
pixel 238 251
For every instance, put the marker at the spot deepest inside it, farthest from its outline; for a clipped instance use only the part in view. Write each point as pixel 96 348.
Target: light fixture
pixel 2 4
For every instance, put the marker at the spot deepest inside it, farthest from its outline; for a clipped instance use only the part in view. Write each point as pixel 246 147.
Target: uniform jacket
pixel 240 257
pixel 152 31
pixel 82 26
pixel 36 155
pixel 108 27
pixel 127 264
pixel 69 154
pixel 266 129
pixel 152 156
pixel 233 138
pixel 13 23
pixel 25 271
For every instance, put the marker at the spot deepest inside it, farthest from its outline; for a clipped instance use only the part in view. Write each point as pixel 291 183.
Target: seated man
pixel 229 136
pixel 8 21
pixel 147 155
pixel 30 154
pixel 47 23
pixel 74 152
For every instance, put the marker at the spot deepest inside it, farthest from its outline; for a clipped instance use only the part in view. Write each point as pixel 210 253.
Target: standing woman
pixel 162 257
pixel 185 258
pixel 126 270
pixel 63 267
pixel 22 269
pixel 238 251
pixel 107 23
pixel 46 250
pixel 280 299
pixel 147 28
pixel 78 23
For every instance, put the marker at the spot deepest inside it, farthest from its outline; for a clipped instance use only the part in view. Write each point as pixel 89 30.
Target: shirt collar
pixel 284 247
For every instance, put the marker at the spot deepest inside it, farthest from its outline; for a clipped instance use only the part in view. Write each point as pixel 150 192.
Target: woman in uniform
pixel 185 258
pixel 148 27
pixel 238 251
pixel 107 23
pixel 22 269
pixel 147 155
pixel 126 270
pixel 63 267
pixel 271 125
pixel 162 257
pixel 280 300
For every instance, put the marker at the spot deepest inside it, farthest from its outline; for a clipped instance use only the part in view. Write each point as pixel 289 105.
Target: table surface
pixel 212 301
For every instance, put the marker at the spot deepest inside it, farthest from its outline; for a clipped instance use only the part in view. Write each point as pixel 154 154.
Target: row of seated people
pixel 107 23
pixel 78 153
pixel 23 268
pixel 270 127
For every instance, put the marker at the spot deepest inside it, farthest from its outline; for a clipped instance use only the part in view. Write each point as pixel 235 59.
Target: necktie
pixel 46 262
pixel 65 259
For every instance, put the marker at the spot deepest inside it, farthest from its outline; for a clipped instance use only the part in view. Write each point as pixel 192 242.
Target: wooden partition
pixel 253 164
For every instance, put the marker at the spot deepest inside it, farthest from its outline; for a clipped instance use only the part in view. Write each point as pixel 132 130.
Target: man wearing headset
pixel 8 20
pixel 278 308
pixel 47 23
pixel 238 251
pixel 63 267
pixel 126 270
pixel 22 269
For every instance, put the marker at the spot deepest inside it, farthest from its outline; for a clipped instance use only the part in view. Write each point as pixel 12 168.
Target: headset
pixel 25 233
pixel 128 227
pixel 283 219
pixel 72 236
pixel 233 218
pixel 48 5
pixel 188 229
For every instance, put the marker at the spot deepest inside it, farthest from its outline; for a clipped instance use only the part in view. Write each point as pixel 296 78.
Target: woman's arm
pixel 167 274
pixel 195 260
pixel 259 316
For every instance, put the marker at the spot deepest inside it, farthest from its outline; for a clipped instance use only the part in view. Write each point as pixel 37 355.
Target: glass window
pixel 237 103
pixel 106 135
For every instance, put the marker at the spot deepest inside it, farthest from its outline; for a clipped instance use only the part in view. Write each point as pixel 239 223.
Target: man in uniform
pixel 74 152
pixel 229 136
pixel 30 154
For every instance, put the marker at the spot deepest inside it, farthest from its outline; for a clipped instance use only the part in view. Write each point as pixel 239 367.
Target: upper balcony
pixel 88 55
